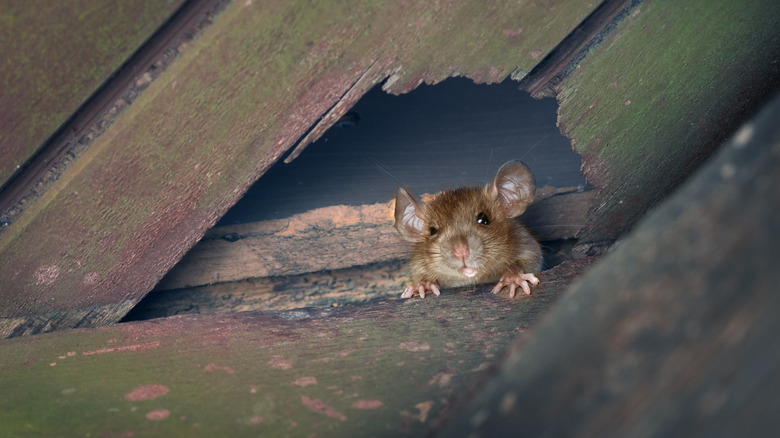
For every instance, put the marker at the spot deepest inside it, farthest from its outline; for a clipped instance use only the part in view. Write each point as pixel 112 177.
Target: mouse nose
pixel 460 250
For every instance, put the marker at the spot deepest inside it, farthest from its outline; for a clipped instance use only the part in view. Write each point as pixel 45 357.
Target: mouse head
pixel 466 235
pixel 507 196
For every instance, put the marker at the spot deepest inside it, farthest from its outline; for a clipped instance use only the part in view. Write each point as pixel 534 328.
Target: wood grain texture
pixel 233 101
pixel 549 72
pixel 650 103
pixel 322 289
pixel 674 333
pixel 338 237
pixel 55 55
pixel 384 368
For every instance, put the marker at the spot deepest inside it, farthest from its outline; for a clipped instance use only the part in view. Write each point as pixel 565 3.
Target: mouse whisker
pixel 534 146
pixel 490 161
pixel 385 171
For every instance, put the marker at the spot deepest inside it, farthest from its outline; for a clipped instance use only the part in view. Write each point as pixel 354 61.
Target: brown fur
pixel 504 246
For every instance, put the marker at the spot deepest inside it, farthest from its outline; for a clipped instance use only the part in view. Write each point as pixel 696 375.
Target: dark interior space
pixel 434 138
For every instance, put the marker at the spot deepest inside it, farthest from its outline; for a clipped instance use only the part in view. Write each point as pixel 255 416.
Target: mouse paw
pixel 420 288
pixel 514 280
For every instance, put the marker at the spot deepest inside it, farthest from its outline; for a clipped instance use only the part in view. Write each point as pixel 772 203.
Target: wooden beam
pixel 56 55
pixel 323 289
pixel 657 95
pixel 385 368
pixel 675 332
pixel 368 270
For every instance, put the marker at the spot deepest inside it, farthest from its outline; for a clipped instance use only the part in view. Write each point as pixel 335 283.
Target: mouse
pixel 471 235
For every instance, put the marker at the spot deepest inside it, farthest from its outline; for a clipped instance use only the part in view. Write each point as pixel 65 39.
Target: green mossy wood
pixel 237 97
pixel 55 55
pixel 650 103
pixel 383 369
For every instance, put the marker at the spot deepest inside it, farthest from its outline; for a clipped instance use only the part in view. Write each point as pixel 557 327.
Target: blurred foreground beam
pixel 672 334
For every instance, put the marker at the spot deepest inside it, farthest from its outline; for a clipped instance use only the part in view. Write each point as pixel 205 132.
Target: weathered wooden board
pixel 338 237
pixel 234 100
pixel 389 368
pixel 323 289
pixel 328 288
pixel 55 55
pixel 675 332
pixel 649 103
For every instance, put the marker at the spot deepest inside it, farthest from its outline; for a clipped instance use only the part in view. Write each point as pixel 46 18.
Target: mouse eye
pixel 433 231
pixel 483 219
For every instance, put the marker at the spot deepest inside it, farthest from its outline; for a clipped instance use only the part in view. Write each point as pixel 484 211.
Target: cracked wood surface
pixel 648 104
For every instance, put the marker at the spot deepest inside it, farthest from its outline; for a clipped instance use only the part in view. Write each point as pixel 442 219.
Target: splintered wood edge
pixel 339 237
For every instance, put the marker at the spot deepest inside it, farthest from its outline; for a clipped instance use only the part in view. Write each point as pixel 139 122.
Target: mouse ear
pixel 409 216
pixel 513 188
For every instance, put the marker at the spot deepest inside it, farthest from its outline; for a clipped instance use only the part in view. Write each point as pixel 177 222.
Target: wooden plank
pixel 387 368
pixel 675 332
pixel 100 110
pixel 560 215
pixel 338 237
pixel 235 99
pixel 329 288
pixel 55 56
pixel 323 289
pixel 649 103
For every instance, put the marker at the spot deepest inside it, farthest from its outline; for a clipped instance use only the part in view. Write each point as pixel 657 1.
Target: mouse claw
pixel 513 281
pixel 421 289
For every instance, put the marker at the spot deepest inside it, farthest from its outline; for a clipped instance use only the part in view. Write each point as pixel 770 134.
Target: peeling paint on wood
pixel 385 368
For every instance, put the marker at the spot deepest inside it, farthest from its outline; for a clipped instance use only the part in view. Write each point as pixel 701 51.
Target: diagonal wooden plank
pixel 55 55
